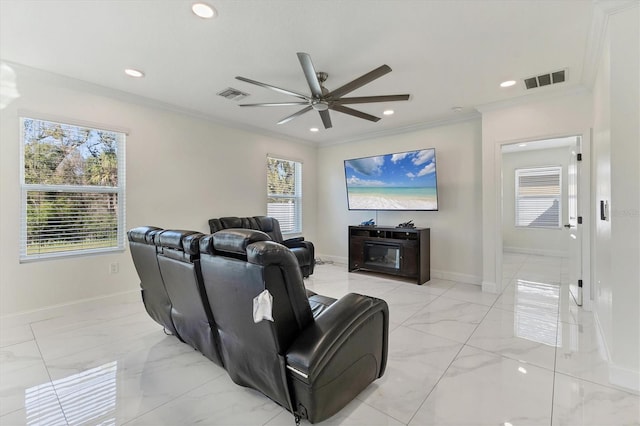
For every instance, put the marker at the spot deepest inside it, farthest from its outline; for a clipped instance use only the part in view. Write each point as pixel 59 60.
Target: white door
pixel 574 227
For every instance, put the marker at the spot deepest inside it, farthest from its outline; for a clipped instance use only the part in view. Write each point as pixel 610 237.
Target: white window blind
pixel 284 193
pixel 72 190
pixel 538 197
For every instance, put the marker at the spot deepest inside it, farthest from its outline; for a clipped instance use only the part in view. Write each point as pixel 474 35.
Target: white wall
pixel 616 246
pixel 601 164
pixel 549 242
pixel 181 171
pixel 455 228
pixel 544 118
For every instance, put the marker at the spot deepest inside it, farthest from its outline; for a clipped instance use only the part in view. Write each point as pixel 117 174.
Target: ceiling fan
pixel 323 100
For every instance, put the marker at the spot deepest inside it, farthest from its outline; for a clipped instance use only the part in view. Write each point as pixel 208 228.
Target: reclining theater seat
pixel 178 258
pixel 154 294
pixel 304 250
pixel 152 287
pixel 311 366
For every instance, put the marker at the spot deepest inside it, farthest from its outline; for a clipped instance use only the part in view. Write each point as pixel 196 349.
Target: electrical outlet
pixel 114 268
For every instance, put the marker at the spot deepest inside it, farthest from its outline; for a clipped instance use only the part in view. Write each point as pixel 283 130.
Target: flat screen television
pixel 399 181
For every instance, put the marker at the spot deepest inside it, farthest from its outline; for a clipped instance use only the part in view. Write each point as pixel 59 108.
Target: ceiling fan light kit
pixel 323 100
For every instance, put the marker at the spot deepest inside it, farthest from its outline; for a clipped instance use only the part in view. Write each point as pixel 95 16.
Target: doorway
pixel 541 198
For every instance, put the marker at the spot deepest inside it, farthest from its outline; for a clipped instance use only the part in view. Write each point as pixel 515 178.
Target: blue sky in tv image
pixel 399 181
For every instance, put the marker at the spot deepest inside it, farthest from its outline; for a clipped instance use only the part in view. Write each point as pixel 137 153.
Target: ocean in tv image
pixel 400 181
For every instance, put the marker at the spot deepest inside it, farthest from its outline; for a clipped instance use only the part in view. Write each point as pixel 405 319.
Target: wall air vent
pixel 232 94
pixel 545 79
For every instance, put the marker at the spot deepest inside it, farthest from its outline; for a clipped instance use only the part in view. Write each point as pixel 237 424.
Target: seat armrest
pixel 337 334
pixel 295 242
pixel 299 243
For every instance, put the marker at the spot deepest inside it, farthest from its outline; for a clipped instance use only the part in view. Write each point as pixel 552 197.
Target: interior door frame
pixel 584 195
pixel 576 291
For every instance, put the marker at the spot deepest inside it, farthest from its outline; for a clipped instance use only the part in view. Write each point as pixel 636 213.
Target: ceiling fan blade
pixel 355 113
pixel 295 115
pixel 371 99
pixel 326 119
pixel 360 81
pixel 277 89
pixel 275 104
pixel 310 74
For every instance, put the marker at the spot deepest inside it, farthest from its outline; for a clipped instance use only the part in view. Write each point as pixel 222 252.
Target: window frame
pixel 119 190
pixel 297 197
pixel 518 197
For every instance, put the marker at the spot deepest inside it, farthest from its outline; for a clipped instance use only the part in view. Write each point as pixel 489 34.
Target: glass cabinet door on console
pixel 381 255
pixel 398 251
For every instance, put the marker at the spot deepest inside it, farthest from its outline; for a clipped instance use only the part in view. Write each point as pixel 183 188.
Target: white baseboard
pixel 455 276
pixel 536 252
pixel 435 273
pixel 335 259
pixel 624 377
pixel 602 343
pixel 489 287
pixel 618 375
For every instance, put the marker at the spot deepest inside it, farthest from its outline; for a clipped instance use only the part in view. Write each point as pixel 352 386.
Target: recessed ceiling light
pixel 133 73
pixel 456 109
pixel 508 83
pixel 203 10
pixel 388 112
pixel 313 129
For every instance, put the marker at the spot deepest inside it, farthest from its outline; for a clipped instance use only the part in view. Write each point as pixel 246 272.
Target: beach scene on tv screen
pixel 400 181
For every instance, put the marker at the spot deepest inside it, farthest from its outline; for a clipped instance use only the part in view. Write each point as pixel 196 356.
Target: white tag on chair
pixel 262 307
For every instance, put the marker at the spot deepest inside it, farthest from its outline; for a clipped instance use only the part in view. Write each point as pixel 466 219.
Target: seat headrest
pixel 231 241
pixel 143 234
pixel 215 225
pixel 186 241
pixel 228 222
pixel 265 223
pixel 272 253
pixel 232 222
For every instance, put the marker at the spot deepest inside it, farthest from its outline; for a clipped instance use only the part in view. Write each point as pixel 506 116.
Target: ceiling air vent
pixel 232 94
pixel 545 79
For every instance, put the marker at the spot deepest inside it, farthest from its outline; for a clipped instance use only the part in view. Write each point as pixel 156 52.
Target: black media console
pixel 398 251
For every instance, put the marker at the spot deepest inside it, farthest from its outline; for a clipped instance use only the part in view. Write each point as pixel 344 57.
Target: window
pixel 538 197
pixel 284 193
pixel 72 190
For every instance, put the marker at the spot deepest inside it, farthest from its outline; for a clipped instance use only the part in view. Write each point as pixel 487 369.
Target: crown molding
pixel 575 90
pixel 119 95
pixel 96 89
pixel 459 118
pixel 602 10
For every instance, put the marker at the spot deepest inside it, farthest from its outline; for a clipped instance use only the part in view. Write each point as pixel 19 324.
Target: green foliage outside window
pixel 281 177
pixel 284 193
pixel 71 188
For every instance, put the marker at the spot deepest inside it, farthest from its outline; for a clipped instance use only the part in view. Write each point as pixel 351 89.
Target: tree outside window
pixel 72 190
pixel 284 193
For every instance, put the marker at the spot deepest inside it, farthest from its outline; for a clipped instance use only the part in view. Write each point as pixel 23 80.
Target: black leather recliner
pixel 178 258
pixel 304 250
pixel 311 365
pixel 313 359
pixel 154 294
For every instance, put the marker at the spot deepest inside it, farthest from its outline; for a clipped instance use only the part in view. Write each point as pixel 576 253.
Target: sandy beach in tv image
pixel 401 181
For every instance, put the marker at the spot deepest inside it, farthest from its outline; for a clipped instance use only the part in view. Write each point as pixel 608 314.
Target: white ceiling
pixel 445 53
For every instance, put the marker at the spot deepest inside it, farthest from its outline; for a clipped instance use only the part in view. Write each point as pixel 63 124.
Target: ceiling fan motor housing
pixel 323 100
pixel 319 105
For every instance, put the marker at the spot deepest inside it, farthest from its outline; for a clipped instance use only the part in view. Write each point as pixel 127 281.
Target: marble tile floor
pixel 457 356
